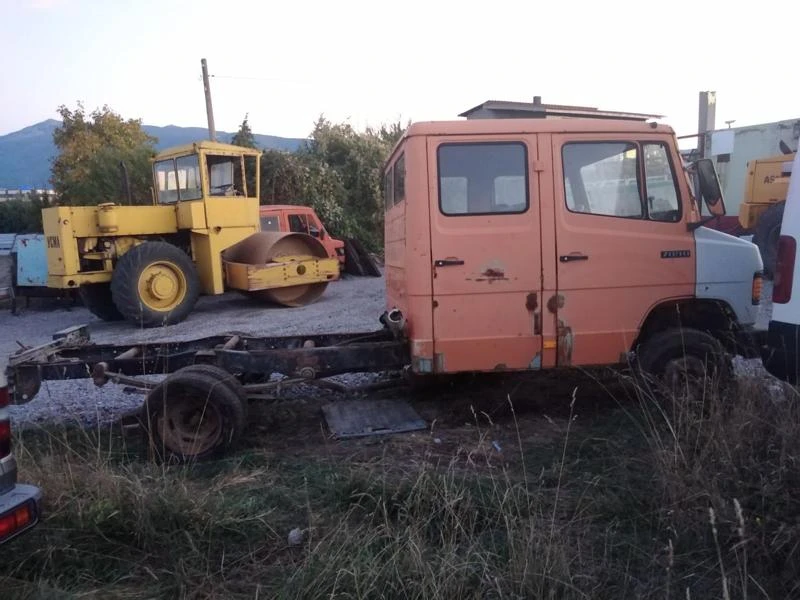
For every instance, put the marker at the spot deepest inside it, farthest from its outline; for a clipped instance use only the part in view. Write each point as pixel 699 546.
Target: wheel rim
pixel 189 429
pixel 162 286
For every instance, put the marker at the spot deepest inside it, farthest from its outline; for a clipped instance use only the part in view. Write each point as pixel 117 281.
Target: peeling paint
pixel 532 301
pixel 565 344
pixel 536 363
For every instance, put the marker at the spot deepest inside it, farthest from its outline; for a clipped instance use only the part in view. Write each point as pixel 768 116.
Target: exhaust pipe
pixel 394 321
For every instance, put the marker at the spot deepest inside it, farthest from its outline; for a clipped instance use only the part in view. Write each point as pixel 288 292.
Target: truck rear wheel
pixel 684 361
pixel 155 284
pixel 96 297
pixel 192 416
pixel 768 230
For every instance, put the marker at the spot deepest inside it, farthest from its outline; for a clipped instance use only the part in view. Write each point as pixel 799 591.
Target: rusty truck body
pixel 510 245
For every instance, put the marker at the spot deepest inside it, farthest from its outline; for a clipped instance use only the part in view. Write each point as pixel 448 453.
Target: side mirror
pixel 709 188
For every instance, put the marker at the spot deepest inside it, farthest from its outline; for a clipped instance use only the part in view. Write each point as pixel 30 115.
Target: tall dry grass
pixel 691 499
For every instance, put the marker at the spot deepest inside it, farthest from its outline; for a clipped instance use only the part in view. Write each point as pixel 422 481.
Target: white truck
pixel 781 355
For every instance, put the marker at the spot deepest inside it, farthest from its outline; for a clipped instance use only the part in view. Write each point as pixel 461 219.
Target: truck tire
pixel 684 360
pixel 96 297
pixel 192 416
pixel 768 230
pixel 155 284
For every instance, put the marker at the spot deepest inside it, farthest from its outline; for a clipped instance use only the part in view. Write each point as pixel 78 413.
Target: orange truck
pixel 353 257
pixel 511 245
pixel 300 219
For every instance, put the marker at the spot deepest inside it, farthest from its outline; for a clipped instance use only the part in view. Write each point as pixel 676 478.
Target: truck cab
pixel 535 243
pixel 300 219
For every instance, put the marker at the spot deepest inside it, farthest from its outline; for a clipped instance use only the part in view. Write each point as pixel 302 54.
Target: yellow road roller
pixel 201 235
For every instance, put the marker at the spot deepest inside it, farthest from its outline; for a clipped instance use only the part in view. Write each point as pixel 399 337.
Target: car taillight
pixel 5 424
pixel 784 270
pixel 16 520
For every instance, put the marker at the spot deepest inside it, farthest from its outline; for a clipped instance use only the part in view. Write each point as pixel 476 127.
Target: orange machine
pixel 536 243
pixel 300 219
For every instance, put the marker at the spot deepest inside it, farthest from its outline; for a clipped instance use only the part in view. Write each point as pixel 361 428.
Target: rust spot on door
pixel 532 301
pixel 555 302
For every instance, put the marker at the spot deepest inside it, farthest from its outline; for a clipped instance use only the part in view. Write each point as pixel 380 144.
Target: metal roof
pixel 6 243
pixel 536 109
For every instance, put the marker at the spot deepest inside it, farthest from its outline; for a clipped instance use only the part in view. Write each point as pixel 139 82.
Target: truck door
pixel 622 243
pixel 486 253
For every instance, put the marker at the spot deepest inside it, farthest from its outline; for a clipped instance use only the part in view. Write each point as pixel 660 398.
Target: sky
pixel 286 63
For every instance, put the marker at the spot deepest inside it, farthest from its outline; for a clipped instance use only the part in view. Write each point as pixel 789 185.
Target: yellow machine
pixel 761 210
pixel 149 264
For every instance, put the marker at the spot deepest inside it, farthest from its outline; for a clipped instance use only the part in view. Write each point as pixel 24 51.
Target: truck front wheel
pixel 155 284
pixel 685 362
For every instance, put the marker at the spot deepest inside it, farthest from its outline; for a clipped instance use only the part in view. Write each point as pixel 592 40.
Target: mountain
pixel 25 155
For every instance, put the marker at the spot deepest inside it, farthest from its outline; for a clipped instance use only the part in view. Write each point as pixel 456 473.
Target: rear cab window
pixel 482 178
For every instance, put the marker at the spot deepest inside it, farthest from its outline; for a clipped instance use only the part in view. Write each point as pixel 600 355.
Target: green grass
pixel 635 499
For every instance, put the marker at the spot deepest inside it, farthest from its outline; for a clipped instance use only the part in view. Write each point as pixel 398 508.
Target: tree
pixel 244 137
pixel 90 150
pixel 22 215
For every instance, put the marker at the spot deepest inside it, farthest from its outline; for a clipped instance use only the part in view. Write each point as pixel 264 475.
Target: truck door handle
pixel 448 262
pixel 570 257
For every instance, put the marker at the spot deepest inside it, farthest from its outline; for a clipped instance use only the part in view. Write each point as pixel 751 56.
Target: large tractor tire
pixel 684 362
pixel 97 298
pixel 768 230
pixel 155 284
pixel 193 415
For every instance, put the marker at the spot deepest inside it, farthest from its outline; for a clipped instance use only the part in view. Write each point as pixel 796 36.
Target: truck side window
pixel 602 178
pixel 270 224
pixel 388 188
pixel 483 178
pixel 298 224
pixel 399 180
pixel 662 195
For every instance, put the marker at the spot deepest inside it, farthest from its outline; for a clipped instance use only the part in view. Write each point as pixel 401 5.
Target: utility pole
pixel 212 132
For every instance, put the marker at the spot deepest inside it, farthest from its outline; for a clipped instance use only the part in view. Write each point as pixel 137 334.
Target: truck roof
pixel 505 126
pixel 532 125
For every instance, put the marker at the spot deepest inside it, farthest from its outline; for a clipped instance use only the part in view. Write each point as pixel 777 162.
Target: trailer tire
pixel 768 230
pixel 96 297
pixel 223 376
pixel 684 360
pixel 155 284
pixel 192 416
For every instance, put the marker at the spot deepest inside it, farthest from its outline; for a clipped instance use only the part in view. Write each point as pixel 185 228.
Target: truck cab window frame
pixel 595 185
pixel 483 178
pixel 669 206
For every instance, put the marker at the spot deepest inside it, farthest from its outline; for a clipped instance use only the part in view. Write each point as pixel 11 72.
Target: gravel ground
pixel 349 305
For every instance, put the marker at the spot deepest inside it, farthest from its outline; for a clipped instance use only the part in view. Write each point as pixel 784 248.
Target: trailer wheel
pixel 192 416
pixel 223 376
pixel 155 284
pixel 768 230
pixel 96 297
pixel 684 361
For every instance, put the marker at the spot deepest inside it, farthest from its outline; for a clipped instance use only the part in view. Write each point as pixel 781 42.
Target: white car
pixel 781 355
pixel 19 503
